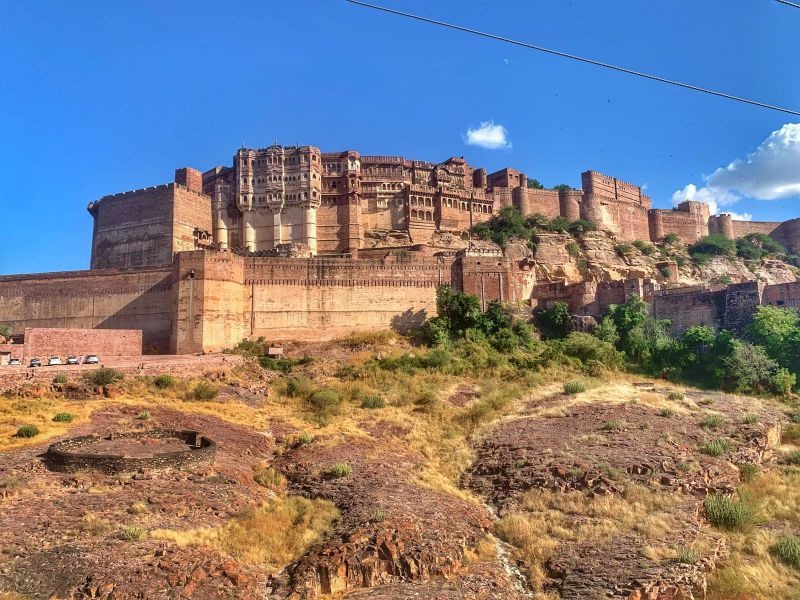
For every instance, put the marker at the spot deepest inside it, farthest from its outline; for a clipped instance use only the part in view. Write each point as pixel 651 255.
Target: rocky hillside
pixel 598 256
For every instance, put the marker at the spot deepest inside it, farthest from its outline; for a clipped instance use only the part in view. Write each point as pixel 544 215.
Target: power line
pixel 787 3
pixel 574 57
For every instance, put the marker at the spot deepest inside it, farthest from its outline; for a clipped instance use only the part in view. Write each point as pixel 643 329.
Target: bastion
pixel 132 451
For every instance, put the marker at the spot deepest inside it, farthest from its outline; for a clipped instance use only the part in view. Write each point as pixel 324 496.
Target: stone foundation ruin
pixel 132 451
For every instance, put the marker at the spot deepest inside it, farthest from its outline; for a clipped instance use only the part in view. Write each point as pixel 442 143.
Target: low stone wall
pixel 66 456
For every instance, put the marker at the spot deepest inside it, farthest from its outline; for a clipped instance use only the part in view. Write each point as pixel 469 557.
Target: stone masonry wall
pixel 103 299
pixel 45 342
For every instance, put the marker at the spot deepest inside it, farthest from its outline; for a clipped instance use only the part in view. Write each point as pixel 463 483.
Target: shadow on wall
pixel 150 311
pixel 409 320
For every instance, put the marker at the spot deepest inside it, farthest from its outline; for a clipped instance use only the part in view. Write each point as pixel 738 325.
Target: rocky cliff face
pixel 598 256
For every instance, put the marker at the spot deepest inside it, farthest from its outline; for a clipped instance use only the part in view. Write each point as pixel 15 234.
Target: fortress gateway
pixel 295 243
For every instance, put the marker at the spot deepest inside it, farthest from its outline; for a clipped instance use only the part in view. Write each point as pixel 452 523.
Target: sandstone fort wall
pixel 61 342
pixel 104 299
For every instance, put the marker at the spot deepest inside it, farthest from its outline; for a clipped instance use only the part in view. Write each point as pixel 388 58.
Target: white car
pixel 72 360
pixel 54 361
pixel 92 359
pixel 15 362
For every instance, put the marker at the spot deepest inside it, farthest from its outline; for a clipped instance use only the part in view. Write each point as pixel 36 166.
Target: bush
pixel 712 421
pixel 61 378
pixel 102 376
pixel 373 402
pixel 131 534
pixel 324 404
pixel 269 478
pixel 726 513
pixel 666 272
pixel 574 387
pixel 716 447
pixel 755 246
pixel 613 425
pixel 589 349
pixel 573 249
pixel 788 550
pixel 204 391
pixel 303 439
pixel 581 226
pixel 666 412
pixel 675 396
pixel 671 239
pixel 553 321
pixel 623 249
pixel 27 431
pixel 63 417
pixel 144 415
pixel 163 382
pixel 299 387
pixel 748 472
pixel 750 419
pixel 687 555
pixel 340 469
pixel 793 458
pixel 645 248
pixel 723 279
pixel 713 245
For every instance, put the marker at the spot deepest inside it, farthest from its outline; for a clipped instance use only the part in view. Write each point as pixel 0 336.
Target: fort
pixel 293 243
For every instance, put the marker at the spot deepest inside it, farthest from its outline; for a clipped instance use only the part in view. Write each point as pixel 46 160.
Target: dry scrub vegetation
pixel 368 377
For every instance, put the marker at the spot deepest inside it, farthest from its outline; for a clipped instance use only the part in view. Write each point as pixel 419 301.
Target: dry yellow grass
pixel 270 536
pixel 15 412
pixel 546 519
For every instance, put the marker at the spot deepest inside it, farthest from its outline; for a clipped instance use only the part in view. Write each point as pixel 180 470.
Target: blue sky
pixel 101 97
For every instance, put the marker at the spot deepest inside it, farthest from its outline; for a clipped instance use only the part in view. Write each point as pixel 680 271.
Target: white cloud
pixel 772 171
pixel 488 135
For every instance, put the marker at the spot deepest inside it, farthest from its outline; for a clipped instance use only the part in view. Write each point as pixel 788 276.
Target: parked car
pixel 72 360
pixel 54 360
pixel 92 359
pixel 15 362
pixel 35 362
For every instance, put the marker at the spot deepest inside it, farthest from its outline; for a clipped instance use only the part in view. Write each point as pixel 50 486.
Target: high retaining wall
pixel 102 299
pixel 222 298
pixel 45 342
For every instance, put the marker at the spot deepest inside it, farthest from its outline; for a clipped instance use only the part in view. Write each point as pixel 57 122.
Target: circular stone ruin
pixel 133 451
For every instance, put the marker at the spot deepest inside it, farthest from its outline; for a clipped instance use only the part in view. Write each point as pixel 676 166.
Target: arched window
pixel 414 214
pixel 428 216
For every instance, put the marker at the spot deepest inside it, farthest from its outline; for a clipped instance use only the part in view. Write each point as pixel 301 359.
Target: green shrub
pixel 204 391
pixel 102 376
pixel 645 248
pixel 591 349
pixel 666 412
pixel 378 515
pixel 748 472
pixel 793 458
pixel 373 402
pixel 581 226
pixel 791 435
pixel 27 431
pixel 303 439
pixel 727 513
pixel 163 382
pixel 61 378
pixel 613 425
pixel 574 387
pixel 788 550
pixel 553 321
pixel 750 419
pixel 269 478
pixel 671 239
pixel 623 249
pixel 324 404
pixel 63 417
pixel 714 421
pixel 687 555
pixel 755 246
pixel 573 249
pixel 299 387
pixel 675 396
pixel 340 469
pixel 713 245
pixel 282 365
pixel 131 534
pixel 665 271
pixel 723 279
pixel 144 415
pixel 716 447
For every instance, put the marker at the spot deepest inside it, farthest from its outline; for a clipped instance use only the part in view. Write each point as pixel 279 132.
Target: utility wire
pixel 573 57
pixel 787 3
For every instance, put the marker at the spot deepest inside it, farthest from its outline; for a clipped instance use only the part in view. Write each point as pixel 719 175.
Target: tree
pixel 755 246
pixel 553 321
pixel 534 184
pixel 712 245
pixel 581 226
pixel 507 224
pixel 562 187
pixel 748 369
pixel 5 330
